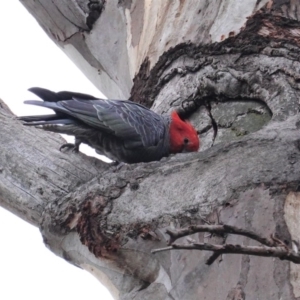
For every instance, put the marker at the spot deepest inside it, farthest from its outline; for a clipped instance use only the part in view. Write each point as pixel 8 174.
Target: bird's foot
pixel 70 146
pixel 117 165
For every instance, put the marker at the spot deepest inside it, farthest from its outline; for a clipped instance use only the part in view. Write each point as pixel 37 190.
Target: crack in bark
pixel 96 7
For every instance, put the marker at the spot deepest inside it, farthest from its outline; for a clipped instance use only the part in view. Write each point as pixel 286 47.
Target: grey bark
pixel 237 80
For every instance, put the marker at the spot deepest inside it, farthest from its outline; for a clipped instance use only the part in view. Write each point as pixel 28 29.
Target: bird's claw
pixel 117 165
pixel 69 146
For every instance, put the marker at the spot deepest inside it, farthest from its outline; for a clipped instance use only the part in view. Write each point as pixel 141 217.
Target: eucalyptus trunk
pixel 232 68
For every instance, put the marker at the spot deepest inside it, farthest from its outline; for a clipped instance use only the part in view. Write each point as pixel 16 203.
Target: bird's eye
pixel 186 140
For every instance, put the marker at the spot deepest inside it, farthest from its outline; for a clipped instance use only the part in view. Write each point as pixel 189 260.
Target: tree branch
pixel 282 252
pixel 33 172
pixel 217 229
pixel 271 247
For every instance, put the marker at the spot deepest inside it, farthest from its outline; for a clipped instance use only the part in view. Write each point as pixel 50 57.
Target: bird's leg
pixel 74 147
pixel 118 165
pixel 69 146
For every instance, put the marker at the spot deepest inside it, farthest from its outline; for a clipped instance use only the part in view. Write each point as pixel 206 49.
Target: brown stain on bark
pixel 89 228
pixel 276 29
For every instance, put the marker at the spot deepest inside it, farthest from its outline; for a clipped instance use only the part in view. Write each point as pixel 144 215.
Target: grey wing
pixel 135 124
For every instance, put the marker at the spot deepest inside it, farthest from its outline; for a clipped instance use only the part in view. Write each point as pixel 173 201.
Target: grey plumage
pixel 122 130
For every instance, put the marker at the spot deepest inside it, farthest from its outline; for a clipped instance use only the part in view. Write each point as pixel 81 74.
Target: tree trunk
pixel 232 68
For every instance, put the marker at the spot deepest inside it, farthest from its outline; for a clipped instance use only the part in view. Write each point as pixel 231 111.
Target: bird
pixel 122 130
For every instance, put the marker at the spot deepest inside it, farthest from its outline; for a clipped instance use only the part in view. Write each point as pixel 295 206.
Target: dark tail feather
pixel 58 109
pixel 38 118
pixel 65 95
pixel 50 96
pixel 51 105
pixel 44 94
pixel 52 100
pixel 53 122
pixel 46 120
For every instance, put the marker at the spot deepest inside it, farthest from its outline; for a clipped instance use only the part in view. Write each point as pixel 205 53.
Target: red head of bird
pixel 183 136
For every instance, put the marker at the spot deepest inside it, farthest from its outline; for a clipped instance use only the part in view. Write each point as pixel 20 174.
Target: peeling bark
pixel 232 68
